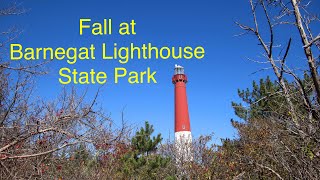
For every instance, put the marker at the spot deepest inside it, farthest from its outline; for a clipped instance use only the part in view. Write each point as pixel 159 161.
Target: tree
pixel 277 14
pixel 279 126
pixel 143 143
pixel 143 161
pixel 34 132
pixel 266 146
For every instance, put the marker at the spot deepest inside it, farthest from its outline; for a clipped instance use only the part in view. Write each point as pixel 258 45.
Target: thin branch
pixel 284 58
pixel 268 168
pixel 41 153
pixel 314 40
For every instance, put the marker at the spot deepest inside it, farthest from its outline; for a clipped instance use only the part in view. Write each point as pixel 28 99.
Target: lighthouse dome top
pixel 178 69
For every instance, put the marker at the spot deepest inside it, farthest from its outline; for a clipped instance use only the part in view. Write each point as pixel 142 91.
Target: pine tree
pixel 266 136
pixel 143 161
pixel 142 141
pixel 266 99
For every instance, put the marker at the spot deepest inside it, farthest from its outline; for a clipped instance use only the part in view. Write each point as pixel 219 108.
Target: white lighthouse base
pixel 183 146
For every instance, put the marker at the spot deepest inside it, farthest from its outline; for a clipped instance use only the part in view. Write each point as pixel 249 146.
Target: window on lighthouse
pixel 183 127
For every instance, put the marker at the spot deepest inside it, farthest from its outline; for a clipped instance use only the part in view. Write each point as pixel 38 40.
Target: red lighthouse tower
pixel 183 137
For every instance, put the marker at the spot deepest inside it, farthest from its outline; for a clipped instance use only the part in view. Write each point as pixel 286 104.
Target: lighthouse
pixel 183 137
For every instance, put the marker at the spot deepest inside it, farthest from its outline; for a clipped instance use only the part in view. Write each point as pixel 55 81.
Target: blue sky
pixel 213 81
